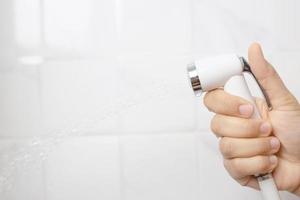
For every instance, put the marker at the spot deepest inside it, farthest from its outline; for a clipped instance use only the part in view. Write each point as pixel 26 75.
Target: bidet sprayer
pixel 227 71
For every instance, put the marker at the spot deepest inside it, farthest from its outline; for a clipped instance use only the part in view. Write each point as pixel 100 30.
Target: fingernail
pixel 246 110
pixel 273 159
pixel 274 143
pixel 265 128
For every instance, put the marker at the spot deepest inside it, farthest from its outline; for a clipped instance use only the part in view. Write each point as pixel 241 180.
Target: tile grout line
pixel 197 162
pixel 122 181
pixel 44 180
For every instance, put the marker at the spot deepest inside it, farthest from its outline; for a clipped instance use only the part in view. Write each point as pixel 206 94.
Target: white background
pixel 95 103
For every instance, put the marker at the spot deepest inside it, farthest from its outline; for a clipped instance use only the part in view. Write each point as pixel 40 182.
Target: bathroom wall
pixel 94 98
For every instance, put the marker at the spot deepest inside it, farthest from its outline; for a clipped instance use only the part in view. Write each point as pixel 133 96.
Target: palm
pixel 285 121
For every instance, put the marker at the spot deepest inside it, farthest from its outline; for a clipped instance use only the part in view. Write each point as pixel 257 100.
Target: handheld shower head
pixel 227 71
pixel 214 72
pixel 210 73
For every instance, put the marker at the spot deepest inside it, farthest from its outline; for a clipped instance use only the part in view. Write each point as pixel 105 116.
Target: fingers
pixel 239 168
pixel 268 78
pixel 227 126
pixel 222 102
pixel 245 148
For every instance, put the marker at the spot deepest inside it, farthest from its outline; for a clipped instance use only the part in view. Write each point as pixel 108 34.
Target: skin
pixel 258 146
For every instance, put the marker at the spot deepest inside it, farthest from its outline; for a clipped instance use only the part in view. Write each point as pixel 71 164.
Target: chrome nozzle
pixel 194 79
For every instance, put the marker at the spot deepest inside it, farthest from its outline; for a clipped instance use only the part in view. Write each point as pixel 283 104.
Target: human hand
pixel 258 146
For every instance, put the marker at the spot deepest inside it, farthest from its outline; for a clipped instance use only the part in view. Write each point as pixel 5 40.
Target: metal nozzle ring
pixel 194 79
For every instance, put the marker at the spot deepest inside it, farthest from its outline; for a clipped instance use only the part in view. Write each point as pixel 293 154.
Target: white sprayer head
pixel 210 73
pixel 213 72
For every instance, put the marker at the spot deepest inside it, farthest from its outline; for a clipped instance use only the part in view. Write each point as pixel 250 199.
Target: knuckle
pixel 265 149
pixel 235 165
pixel 226 147
pixel 252 128
pixel 236 168
pixel 232 167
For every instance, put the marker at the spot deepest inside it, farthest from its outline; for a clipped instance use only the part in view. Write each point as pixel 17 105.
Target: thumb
pixel 267 76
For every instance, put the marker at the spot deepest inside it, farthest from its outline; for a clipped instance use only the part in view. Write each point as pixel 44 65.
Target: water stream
pixel 37 149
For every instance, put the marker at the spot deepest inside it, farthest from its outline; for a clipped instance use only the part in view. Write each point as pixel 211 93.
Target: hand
pixel 258 146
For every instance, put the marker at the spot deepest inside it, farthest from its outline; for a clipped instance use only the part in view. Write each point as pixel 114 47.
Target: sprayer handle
pixel 237 86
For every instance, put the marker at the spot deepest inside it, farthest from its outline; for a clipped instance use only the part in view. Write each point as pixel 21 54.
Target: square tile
pixel 19 177
pixel 20 102
pixel 223 27
pixel 28 22
pixel 104 28
pixel 159 167
pixel 84 168
pixel 158 27
pixel 156 94
pixel 88 29
pixel 79 94
pixel 67 25
pixel 7 31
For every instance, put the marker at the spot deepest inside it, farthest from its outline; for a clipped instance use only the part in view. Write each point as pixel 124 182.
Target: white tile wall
pixel 80 93
pixel 160 167
pixel 20 103
pixel 6 36
pixel 27 184
pixel 158 27
pixel 285 63
pixel 72 30
pixel 84 168
pixel 229 26
pixel 104 17
pixel 20 177
pixel 114 73
pixel 161 94
pixel 27 23
pixel 89 28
